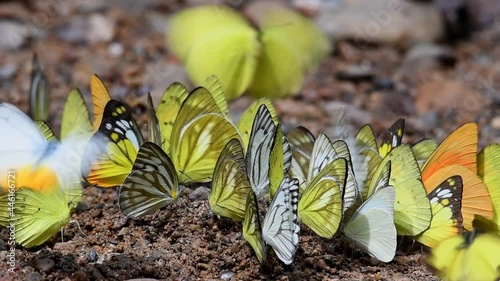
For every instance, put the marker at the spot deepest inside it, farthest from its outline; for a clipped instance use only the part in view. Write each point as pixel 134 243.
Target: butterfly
pixel 246 121
pixel 412 210
pixel 26 145
pixel 423 150
pixel 39 92
pixel 152 184
pixel 113 147
pixel 40 208
pixel 199 133
pixel 75 117
pixel 172 100
pixel 446 203
pixel 471 256
pixel 371 227
pixel 230 184
pixel 392 137
pixel 488 168
pixel 280 227
pixel 321 204
pixel 456 155
pixel 256 58
pixel 266 141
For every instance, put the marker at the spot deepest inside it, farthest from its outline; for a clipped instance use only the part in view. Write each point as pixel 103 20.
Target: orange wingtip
pixel 39 178
pixel 100 97
pixel 459 148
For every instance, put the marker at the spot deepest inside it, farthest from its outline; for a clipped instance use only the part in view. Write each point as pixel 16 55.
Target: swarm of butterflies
pixel 365 190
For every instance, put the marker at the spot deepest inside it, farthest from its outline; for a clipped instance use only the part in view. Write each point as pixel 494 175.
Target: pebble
pixel 74 30
pixel 14 35
pixel 115 49
pixel 495 123
pixel 34 276
pixel 7 71
pixel 101 28
pixel 355 73
pixel 92 255
pixel 44 265
pixel 200 193
pixel 226 275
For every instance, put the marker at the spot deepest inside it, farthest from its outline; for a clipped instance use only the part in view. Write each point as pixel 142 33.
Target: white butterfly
pixel 24 144
pixel 259 150
pixel 281 228
pixel 372 227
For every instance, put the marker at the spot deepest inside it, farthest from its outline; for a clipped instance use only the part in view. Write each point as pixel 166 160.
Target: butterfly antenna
pixel 78 226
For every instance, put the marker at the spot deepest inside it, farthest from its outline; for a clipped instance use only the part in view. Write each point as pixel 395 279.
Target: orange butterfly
pixel 457 155
pixel 100 97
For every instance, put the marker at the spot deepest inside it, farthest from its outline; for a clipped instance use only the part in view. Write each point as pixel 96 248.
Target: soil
pixel 186 241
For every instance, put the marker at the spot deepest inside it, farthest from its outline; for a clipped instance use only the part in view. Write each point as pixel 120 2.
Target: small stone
pixel 495 123
pixel 102 28
pixel 115 49
pixel 355 73
pixel 92 256
pixel 44 265
pixel 7 71
pixel 226 275
pixel 13 35
pixel 123 232
pixel 200 193
pixel 34 276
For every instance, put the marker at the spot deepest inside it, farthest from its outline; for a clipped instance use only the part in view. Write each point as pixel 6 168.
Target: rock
pixel 200 193
pixel 44 265
pixel 355 73
pixel 102 28
pixel 495 123
pixel 34 276
pixel 92 255
pixel 226 275
pixel 14 34
pixel 382 21
pixel 352 114
pixel 75 30
pixel 7 71
pixel 426 56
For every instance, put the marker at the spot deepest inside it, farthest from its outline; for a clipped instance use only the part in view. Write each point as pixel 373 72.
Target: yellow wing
pixel 230 185
pixel 153 125
pixel 46 130
pixel 39 93
pixel 252 229
pixel 213 85
pixel 423 150
pixel 392 137
pixel 302 143
pixel 112 150
pixel 152 184
pixel 100 98
pixel 412 212
pixel 168 109
pixel 446 204
pixel 321 206
pixel 489 169
pixel 75 117
pixel 279 160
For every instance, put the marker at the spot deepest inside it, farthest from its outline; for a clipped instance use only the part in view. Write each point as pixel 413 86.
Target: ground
pixel 370 83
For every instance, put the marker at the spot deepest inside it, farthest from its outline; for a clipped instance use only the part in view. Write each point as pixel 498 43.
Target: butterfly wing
pixel 321 206
pixel 46 130
pixel 75 117
pixel 151 185
pixel 259 150
pixel 372 227
pixel 279 160
pixel 153 125
pixel 423 150
pixel 246 121
pixel 252 230
pixel 446 204
pixel 392 137
pixel 113 147
pixel 281 227
pixel 230 185
pixel 39 93
pixel 489 170
pixel 302 143
pixel 412 212
pixel 100 97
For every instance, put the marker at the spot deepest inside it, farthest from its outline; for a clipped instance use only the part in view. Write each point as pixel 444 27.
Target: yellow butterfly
pixel 100 97
pixel 321 205
pixel 446 205
pixel 113 147
pixel 471 256
pixel 39 92
pixel 488 167
pixel 246 121
pixel 152 184
pixel 40 205
pixel 268 63
pixel 230 184
pixel 302 143
pixel 412 211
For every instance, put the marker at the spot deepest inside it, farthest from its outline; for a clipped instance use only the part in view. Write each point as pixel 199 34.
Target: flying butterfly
pixel 152 184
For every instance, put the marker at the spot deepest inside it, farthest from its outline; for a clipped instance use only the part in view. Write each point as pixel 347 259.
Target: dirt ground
pixel 448 84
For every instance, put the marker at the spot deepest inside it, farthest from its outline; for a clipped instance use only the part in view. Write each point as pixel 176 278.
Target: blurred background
pixel 436 63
